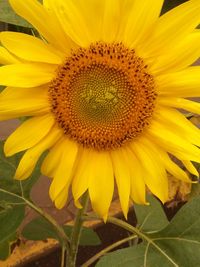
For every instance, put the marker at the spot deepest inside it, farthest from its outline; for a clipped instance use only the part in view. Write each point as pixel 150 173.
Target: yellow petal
pixel 29 47
pixel 172 167
pixel 93 23
pixel 17 92
pixel 101 183
pixel 65 169
pixel 122 176
pixel 61 199
pixel 43 21
pixel 47 3
pixel 138 187
pixel 70 16
pixel 190 167
pixel 28 134
pixel 172 142
pixel 171 28
pixel 173 119
pixel 52 6
pixel 19 102
pixel 154 173
pixel 184 83
pixel 82 176
pixel 142 16
pixel 180 56
pixel 26 75
pixel 30 158
pixel 6 57
pixel 52 160
pixel 111 18
pixel 182 103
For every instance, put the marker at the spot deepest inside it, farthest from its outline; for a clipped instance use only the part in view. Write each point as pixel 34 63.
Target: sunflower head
pixel 103 88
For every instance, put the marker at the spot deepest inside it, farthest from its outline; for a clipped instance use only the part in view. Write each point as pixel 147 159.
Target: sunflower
pixel 102 89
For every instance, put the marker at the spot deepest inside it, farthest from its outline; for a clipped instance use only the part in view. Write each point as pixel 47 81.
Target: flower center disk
pixel 102 96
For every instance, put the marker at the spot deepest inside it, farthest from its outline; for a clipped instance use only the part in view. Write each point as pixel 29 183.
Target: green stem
pixel 63 256
pixel 63 237
pixel 123 225
pixel 76 233
pixel 128 227
pixel 21 187
pixel 107 249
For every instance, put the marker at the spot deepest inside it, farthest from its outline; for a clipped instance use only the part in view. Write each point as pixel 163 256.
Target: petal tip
pixel 19 177
pixel 78 204
pixel 7 150
pixel 105 217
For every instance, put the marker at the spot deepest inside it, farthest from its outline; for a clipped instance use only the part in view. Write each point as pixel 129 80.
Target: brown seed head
pixel 102 96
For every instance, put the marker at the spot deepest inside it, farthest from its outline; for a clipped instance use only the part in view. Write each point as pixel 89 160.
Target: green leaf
pixel 151 217
pixel 177 245
pixel 10 219
pixel 88 236
pixel 7 15
pixel 5 247
pixel 127 257
pixel 4 250
pixel 195 191
pixel 41 229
